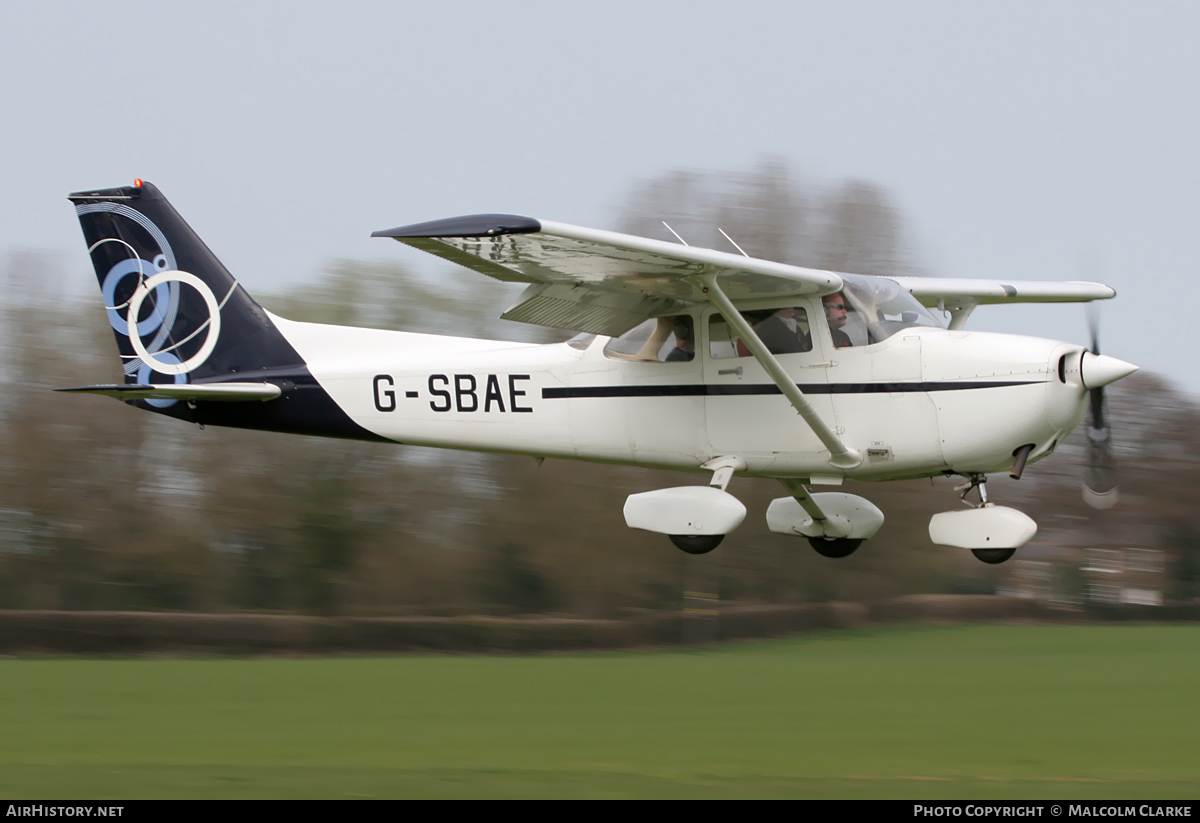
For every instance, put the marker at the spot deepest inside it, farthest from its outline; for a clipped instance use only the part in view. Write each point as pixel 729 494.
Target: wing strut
pixel 802 496
pixel 840 455
pixel 959 315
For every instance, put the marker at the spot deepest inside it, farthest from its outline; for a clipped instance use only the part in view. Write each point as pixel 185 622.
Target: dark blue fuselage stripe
pixel 710 390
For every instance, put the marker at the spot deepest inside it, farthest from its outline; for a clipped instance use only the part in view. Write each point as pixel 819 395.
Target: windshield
pixel 879 307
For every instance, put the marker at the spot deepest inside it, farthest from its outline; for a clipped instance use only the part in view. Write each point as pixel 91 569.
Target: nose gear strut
pixel 974 481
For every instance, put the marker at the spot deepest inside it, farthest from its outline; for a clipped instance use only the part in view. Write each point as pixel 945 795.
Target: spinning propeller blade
pixel 1100 475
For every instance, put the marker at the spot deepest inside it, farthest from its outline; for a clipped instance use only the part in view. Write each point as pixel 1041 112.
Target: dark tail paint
pixel 195 323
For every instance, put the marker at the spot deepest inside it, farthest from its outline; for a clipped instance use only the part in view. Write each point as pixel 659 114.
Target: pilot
pixel 781 333
pixel 835 312
pixel 685 342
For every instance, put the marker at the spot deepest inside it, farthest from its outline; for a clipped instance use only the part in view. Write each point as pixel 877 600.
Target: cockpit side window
pixel 669 339
pixel 783 330
pixel 875 309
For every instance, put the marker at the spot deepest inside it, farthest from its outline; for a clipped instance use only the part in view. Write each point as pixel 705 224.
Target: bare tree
pixel 851 226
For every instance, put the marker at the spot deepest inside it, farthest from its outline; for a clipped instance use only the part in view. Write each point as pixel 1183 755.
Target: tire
pixel 696 543
pixel 993 556
pixel 834 546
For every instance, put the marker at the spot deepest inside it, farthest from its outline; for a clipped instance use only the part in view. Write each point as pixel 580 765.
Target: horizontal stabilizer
pixel 225 392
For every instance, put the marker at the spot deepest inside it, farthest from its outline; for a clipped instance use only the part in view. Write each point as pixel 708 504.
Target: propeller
pixel 1100 474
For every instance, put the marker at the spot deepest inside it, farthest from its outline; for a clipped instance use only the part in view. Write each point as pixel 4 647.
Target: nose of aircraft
pixel 1098 370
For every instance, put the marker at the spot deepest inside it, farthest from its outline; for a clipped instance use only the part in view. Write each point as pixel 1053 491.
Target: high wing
pixel 600 281
pixel 960 296
pixel 956 293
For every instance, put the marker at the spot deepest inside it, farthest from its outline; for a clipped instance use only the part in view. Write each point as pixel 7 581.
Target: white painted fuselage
pixel 923 402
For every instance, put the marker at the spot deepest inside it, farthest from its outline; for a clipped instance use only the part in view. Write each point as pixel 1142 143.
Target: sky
pixel 1018 138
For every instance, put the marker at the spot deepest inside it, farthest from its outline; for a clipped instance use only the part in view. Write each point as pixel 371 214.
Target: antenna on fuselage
pixel 672 231
pixel 730 239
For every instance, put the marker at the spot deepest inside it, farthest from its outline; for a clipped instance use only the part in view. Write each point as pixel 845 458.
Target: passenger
pixel 781 333
pixel 685 341
pixel 835 312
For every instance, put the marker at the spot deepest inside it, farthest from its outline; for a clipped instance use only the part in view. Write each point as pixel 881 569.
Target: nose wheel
pixel 987 523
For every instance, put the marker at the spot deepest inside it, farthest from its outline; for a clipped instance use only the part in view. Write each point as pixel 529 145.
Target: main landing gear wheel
pixel 696 543
pixel 834 546
pixel 993 556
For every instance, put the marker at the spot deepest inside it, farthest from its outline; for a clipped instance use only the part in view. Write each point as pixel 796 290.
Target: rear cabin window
pixel 661 340
pixel 783 331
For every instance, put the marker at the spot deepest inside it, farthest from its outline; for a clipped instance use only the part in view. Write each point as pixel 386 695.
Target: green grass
pixel 994 711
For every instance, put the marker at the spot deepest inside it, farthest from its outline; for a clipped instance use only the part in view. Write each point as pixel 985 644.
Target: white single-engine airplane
pixel 686 358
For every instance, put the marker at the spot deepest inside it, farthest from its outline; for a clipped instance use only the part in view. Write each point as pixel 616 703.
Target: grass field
pixel 986 711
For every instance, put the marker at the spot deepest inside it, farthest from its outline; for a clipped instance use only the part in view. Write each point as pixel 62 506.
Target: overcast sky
pixel 1016 137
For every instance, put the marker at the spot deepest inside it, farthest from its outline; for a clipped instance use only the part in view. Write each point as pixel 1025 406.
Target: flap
pixel 595 311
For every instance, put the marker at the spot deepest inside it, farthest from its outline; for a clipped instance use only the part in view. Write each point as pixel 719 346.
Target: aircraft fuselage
pixel 921 403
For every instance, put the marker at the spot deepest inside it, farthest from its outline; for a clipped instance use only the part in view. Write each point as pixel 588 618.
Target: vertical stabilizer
pixel 179 317
pixel 193 319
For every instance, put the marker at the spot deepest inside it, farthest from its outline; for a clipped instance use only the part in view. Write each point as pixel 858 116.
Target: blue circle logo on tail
pixel 146 301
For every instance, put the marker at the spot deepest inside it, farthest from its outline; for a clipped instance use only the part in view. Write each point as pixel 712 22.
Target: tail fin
pixel 180 317
pixel 191 318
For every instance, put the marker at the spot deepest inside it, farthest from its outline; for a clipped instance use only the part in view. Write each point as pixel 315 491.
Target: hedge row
pixel 156 632
pixel 143 632
pixel 957 608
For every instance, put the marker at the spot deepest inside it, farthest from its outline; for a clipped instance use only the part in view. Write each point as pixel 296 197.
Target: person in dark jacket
pixel 835 312
pixel 781 333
